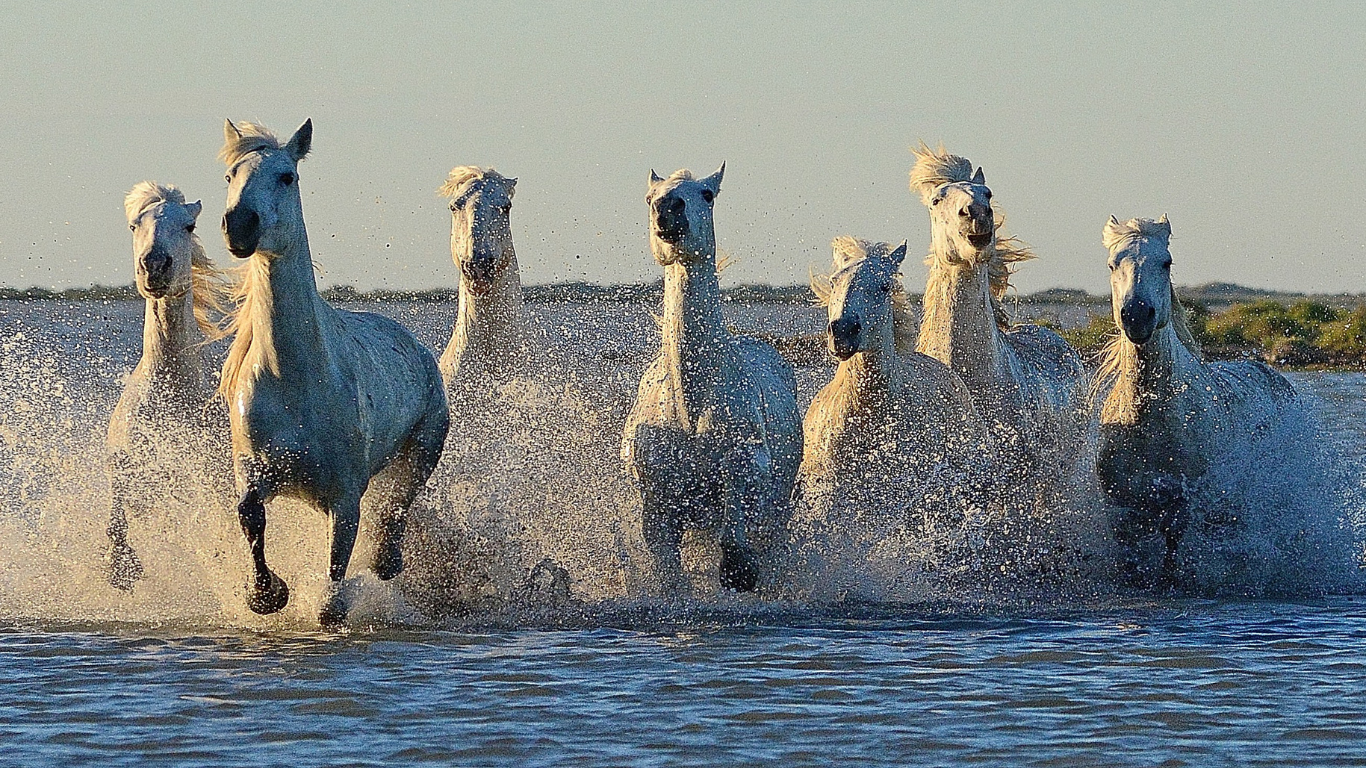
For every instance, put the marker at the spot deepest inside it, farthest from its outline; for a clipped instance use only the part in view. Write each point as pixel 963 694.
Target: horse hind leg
pixel 407 473
pixel 267 593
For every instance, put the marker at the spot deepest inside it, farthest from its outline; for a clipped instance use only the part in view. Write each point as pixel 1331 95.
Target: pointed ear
pixel 979 177
pixel 1113 222
pixel 230 132
pixel 512 188
pixel 1167 225
pixel 713 182
pixel 194 209
pixel 655 178
pixel 898 255
pixel 301 141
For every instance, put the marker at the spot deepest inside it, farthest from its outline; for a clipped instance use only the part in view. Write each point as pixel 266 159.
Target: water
pixel 179 673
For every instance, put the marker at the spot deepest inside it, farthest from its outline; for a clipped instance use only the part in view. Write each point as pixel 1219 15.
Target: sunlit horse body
pixel 1168 418
pixel 166 427
pixel 321 400
pixel 1024 379
pixel 887 435
pixel 714 439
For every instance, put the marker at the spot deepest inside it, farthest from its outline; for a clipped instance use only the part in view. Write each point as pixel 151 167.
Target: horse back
pixel 1049 366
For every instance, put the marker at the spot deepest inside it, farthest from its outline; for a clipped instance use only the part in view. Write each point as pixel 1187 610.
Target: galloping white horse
pixel 714 439
pixel 1168 418
pixel 884 434
pixel 164 422
pixel 321 400
pixel 491 338
pixel 1022 377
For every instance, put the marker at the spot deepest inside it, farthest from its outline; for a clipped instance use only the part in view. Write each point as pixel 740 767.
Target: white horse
pixel 165 422
pixel 886 433
pixel 714 439
pixel 322 401
pixel 1168 418
pixel 1023 378
pixel 491 337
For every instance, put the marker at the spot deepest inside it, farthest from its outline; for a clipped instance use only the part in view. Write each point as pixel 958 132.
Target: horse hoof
pixel 387 565
pixel 124 567
pixel 270 599
pixel 547 582
pixel 333 612
pixel 738 577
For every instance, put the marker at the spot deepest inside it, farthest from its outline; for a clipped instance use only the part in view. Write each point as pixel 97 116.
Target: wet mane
pixel 851 251
pixel 210 287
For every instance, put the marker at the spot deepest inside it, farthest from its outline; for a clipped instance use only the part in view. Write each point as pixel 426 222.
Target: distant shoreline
pixel 1211 295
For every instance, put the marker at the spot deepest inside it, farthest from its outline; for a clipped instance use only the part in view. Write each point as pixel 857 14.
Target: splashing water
pixel 531 491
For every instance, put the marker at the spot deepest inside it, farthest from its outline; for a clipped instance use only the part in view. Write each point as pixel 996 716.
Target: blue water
pixel 173 676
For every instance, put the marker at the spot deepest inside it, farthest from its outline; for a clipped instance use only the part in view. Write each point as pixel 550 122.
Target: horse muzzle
pixel 670 219
pixel 1138 320
pixel 154 273
pixel 242 231
pixel 843 334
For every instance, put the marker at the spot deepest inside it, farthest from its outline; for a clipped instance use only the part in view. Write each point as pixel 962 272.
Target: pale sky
pixel 1244 124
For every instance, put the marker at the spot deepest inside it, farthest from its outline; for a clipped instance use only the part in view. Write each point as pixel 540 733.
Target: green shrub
pixel 1344 337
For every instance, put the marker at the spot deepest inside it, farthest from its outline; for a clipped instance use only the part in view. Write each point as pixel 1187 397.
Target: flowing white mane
pixel 851 251
pixel 210 287
pixel 936 167
pixel 463 178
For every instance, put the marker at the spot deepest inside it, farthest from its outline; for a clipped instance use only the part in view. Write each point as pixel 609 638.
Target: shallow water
pixel 178 673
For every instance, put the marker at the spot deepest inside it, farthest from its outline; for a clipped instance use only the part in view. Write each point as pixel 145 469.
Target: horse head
pixel 1140 275
pixel 163 238
pixel 481 224
pixel 859 299
pixel 264 212
pixel 681 227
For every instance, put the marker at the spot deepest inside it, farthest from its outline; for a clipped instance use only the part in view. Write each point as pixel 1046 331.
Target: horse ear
pixel 655 178
pixel 713 182
pixel 898 255
pixel 301 141
pixel 512 188
pixel 979 177
pixel 194 209
pixel 230 132
pixel 1166 225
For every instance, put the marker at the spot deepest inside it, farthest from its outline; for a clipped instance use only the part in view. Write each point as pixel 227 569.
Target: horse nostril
pixel 965 212
pixel 1152 312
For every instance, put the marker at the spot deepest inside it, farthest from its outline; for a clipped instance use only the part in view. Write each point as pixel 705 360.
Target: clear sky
pixel 1243 123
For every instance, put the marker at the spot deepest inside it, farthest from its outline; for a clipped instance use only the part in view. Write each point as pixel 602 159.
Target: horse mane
pixel 462 177
pixel 210 287
pixel 254 301
pixel 852 250
pixel 252 137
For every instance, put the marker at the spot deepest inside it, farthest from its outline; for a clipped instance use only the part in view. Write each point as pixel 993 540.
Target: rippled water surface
pixel 1107 678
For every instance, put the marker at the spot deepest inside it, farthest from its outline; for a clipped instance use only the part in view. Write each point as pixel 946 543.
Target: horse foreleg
pixel 663 534
pixel 744 503
pixel 345 522
pixel 124 566
pixel 410 471
pixel 267 592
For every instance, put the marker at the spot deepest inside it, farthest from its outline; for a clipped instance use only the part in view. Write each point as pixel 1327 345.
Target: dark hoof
pixel 333 612
pixel 738 575
pixel 124 567
pixel 389 564
pixel 269 599
pixel 547 582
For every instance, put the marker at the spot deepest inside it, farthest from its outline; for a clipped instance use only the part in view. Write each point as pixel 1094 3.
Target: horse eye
pixel 1166 265
pixel 227 177
pixel 708 196
pixel 506 209
pixel 1113 266
pixel 988 194
pixel 287 178
pixel 189 228
pixel 132 227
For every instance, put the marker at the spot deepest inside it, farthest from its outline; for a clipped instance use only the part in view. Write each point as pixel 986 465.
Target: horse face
pixel 264 212
pixel 681 227
pixel 962 211
pixel 860 306
pixel 163 238
pixel 1140 286
pixel 481 231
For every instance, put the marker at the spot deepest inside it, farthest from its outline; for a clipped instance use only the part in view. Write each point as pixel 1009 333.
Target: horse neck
pixel 958 324
pixel 491 327
pixel 1149 375
pixel 874 373
pixel 171 340
pixel 298 318
pixel 693 327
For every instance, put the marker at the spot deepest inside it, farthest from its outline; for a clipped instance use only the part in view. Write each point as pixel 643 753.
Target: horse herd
pixel 323 404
